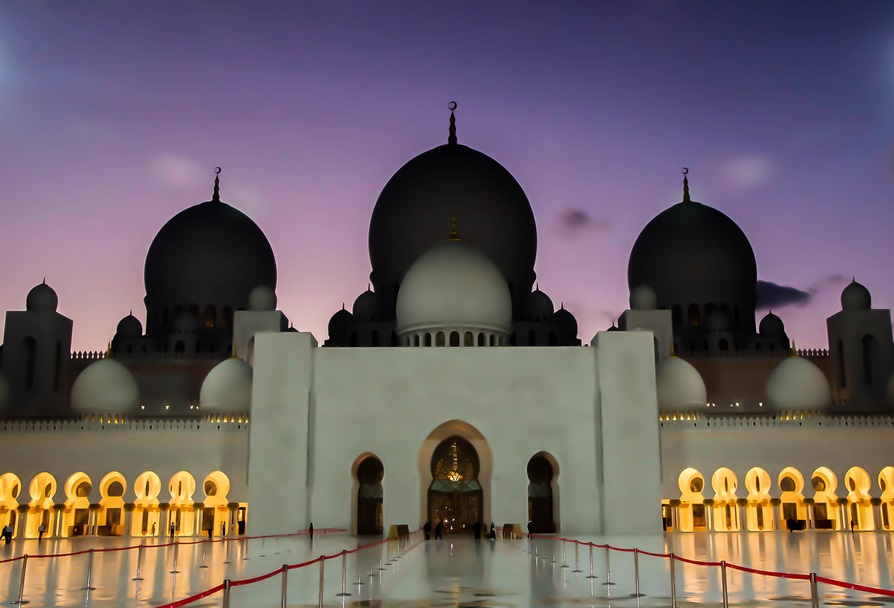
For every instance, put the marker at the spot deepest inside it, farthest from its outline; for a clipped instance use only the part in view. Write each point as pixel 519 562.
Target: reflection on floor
pixel 459 571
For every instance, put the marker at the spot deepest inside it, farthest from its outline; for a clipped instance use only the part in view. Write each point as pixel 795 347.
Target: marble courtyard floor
pixel 457 571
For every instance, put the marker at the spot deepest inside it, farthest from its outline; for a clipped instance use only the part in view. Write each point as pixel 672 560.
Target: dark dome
pixel 340 324
pixel 539 306
pixel 565 322
pixel 692 253
pixel 772 326
pixel 414 210
pixel 209 254
pixel 42 298
pixel 853 297
pixel 129 327
pixel 365 306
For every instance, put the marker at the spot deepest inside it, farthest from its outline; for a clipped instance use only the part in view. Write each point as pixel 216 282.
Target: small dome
pixel 680 386
pixel 539 307
pixel 340 323
pixel 365 306
pixel 227 387
pixel 5 394
pixel 717 320
pixel 642 297
pixel 796 383
pixel 454 286
pixel 261 298
pixel 772 326
pixel 42 298
pixel 855 297
pixel 565 322
pixel 106 387
pixel 129 327
pixel 185 322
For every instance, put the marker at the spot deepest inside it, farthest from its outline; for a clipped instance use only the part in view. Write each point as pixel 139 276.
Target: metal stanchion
pixel 673 582
pixel 814 592
pixel 176 551
pixel 608 568
pixel 226 550
pixel 285 584
pixel 204 550
pixel 564 561
pixel 576 556
pixel 591 575
pixel 636 592
pixel 552 551
pixel 89 585
pixel 344 574
pixel 723 586
pixel 22 599
pixel 263 545
pixel 139 576
pixel 322 573
pixel 226 593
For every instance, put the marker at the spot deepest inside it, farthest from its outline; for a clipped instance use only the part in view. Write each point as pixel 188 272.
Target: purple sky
pixel 113 115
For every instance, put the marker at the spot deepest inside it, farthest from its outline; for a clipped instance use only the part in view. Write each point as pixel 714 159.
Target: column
pixel 21 521
pixel 128 520
pixel 164 515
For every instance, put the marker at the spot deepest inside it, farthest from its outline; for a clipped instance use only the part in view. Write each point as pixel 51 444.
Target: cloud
pixel 178 171
pixel 773 295
pixel 573 222
pixel 746 171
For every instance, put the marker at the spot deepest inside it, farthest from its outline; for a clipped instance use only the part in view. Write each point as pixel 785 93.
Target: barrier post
pixel 814 592
pixel 636 592
pixel 608 567
pixel 552 551
pixel 22 599
pixel 89 586
pixel 263 547
pixel 723 584
pixel 591 575
pixel 285 584
pixel 322 574
pixel 140 550
pixel 226 550
pixel 564 561
pixel 204 550
pixel 344 574
pixel 673 582
pixel 576 556
pixel 226 593
pixel 176 550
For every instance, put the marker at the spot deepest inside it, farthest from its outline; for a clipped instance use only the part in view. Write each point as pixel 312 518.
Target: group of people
pixel 476 529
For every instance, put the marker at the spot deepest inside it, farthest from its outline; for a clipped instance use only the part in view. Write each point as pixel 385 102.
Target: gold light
pixel 454 475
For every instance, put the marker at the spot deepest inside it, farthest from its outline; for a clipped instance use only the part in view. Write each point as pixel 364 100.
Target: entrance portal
pixel 540 495
pixel 454 497
pixel 369 496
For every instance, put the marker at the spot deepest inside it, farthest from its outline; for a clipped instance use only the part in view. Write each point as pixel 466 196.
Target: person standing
pixel 493 532
pixel 438 530
pixel 310 530
pixel 173 529
pixel 41 529
pixel 426 529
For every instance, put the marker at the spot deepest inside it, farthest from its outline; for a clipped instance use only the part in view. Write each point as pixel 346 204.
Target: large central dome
pixel 418 201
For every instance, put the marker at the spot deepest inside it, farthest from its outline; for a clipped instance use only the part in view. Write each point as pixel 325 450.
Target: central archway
pixel 454 496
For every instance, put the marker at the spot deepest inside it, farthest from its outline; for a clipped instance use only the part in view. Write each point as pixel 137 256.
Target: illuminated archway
pixel 857 482
pixel 759 511
pixel 692 516
pixel 725 508
pixel 886 485
pixel 367 504
pixel 543 493
pixel 147 489
pixel 826 515
pixel 214 512
pixel 791 497
pixel 182 507
pixel 76 514
pixel 110 517
pixel 10 489
pixel 40 509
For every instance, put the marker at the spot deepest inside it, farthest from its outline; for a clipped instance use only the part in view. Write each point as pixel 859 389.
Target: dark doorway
pixel 370 496
pixel 540 495
pixel 455 497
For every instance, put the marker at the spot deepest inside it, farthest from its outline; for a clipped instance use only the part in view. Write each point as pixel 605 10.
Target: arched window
pixel 427 339
pixel 693 315
pixel 416 340
pixel 493 340
pixel 482 339
pixel 440 339
pixel 454 338
pixel 30 347
pixel 210 316
pixel 226 317
pixel 870 354
pixel 468 339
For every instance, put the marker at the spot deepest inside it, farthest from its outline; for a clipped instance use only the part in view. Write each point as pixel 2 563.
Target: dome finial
pixel 686 198
pixel 108 354
pixel 794 352
pixel 454 234
pixel 215 197
pixel 452 138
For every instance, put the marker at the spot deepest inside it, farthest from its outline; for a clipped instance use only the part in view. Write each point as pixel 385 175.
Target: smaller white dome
pixel 454 286
pixel 854 297
pixel 680 386
pixel 5 394
pixel 796 383
pixel 227 387
pixel 642 297
pixel 106 387
pixel 42 298
pixel 262 298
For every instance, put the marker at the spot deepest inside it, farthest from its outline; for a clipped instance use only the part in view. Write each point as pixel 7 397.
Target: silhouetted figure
pixel 154 529
pixel 530 528
pixel 477 530
pixel 223 529
pixel 438 531
pixel 853 525
pixel 240 525
pixel 173 529
pixel 310 530
pixel 790 524
pixel 41 530
pixel 210 532
pixel 426 529
pixel 493 532
pixel 7 533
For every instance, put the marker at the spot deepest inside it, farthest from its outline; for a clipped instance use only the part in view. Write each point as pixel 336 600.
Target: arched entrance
pixel 370 473
pixel 541 501
pixel 455 497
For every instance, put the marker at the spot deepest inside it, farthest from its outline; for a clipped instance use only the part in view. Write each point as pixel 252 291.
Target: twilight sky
pixel 114 114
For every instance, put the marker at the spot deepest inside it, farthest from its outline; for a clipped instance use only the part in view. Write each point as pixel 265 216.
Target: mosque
pixel 453 390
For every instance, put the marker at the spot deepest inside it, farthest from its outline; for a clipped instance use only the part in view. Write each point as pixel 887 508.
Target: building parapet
pixel 805 418
pixel 113 422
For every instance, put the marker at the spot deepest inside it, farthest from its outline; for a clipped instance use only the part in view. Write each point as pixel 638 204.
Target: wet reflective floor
pixel 457 571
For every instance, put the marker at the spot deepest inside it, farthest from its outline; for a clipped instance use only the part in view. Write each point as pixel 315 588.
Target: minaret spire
pixel 215 197
pixel 686 198
pixel 451 139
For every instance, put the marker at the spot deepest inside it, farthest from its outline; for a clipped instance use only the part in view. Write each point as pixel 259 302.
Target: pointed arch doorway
pixel 455 497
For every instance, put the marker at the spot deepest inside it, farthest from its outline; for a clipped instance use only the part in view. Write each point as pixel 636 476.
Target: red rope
pixel 194 598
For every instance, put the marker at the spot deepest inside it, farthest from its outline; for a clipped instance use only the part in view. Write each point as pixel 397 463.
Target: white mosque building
pixel 452 391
